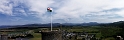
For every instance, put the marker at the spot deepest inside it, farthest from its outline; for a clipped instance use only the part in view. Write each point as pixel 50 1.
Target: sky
pixel 16 12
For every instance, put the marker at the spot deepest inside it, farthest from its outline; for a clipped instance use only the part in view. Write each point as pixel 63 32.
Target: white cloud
pixel 5 8
pixel 121 13
pixel 77 8
pixel 65 9
pixel 39 5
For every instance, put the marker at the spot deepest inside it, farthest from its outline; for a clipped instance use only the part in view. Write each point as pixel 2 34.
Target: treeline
pixel 113 32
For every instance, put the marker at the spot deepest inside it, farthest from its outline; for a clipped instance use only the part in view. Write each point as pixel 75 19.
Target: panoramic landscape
pixel 61 20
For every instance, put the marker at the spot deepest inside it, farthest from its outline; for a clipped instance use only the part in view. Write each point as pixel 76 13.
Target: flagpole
pixel 51 21
pixel 50 10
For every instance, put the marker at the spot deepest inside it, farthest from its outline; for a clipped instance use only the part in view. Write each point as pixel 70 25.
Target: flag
pixel 49 9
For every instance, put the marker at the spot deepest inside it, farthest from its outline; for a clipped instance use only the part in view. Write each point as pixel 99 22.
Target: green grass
pixel 110 38
pixel 37 36
pixel 98 35
pixel 81 29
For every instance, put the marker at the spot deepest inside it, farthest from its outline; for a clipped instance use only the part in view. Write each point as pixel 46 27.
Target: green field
pixel 101 32
pixel 37 36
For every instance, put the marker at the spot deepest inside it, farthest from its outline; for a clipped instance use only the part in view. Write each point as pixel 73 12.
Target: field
pixel 106 33
pixel 101 32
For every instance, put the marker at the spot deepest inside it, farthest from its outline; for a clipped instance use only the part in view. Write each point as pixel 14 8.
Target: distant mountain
pixel 5 26
pixel 90 24
pixel 114 24
pixel 119 24
pixel 54 25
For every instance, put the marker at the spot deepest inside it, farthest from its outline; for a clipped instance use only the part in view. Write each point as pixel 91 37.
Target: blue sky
pixel 16 12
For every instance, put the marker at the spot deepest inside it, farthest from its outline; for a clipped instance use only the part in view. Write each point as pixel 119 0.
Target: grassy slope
pixel 37 36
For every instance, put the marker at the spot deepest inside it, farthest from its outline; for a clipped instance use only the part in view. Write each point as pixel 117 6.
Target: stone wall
pixel 52 35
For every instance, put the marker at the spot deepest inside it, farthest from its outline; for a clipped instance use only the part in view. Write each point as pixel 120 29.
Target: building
pixel 3 37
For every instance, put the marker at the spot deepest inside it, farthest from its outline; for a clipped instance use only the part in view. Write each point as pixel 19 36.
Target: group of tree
pixel 112 29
